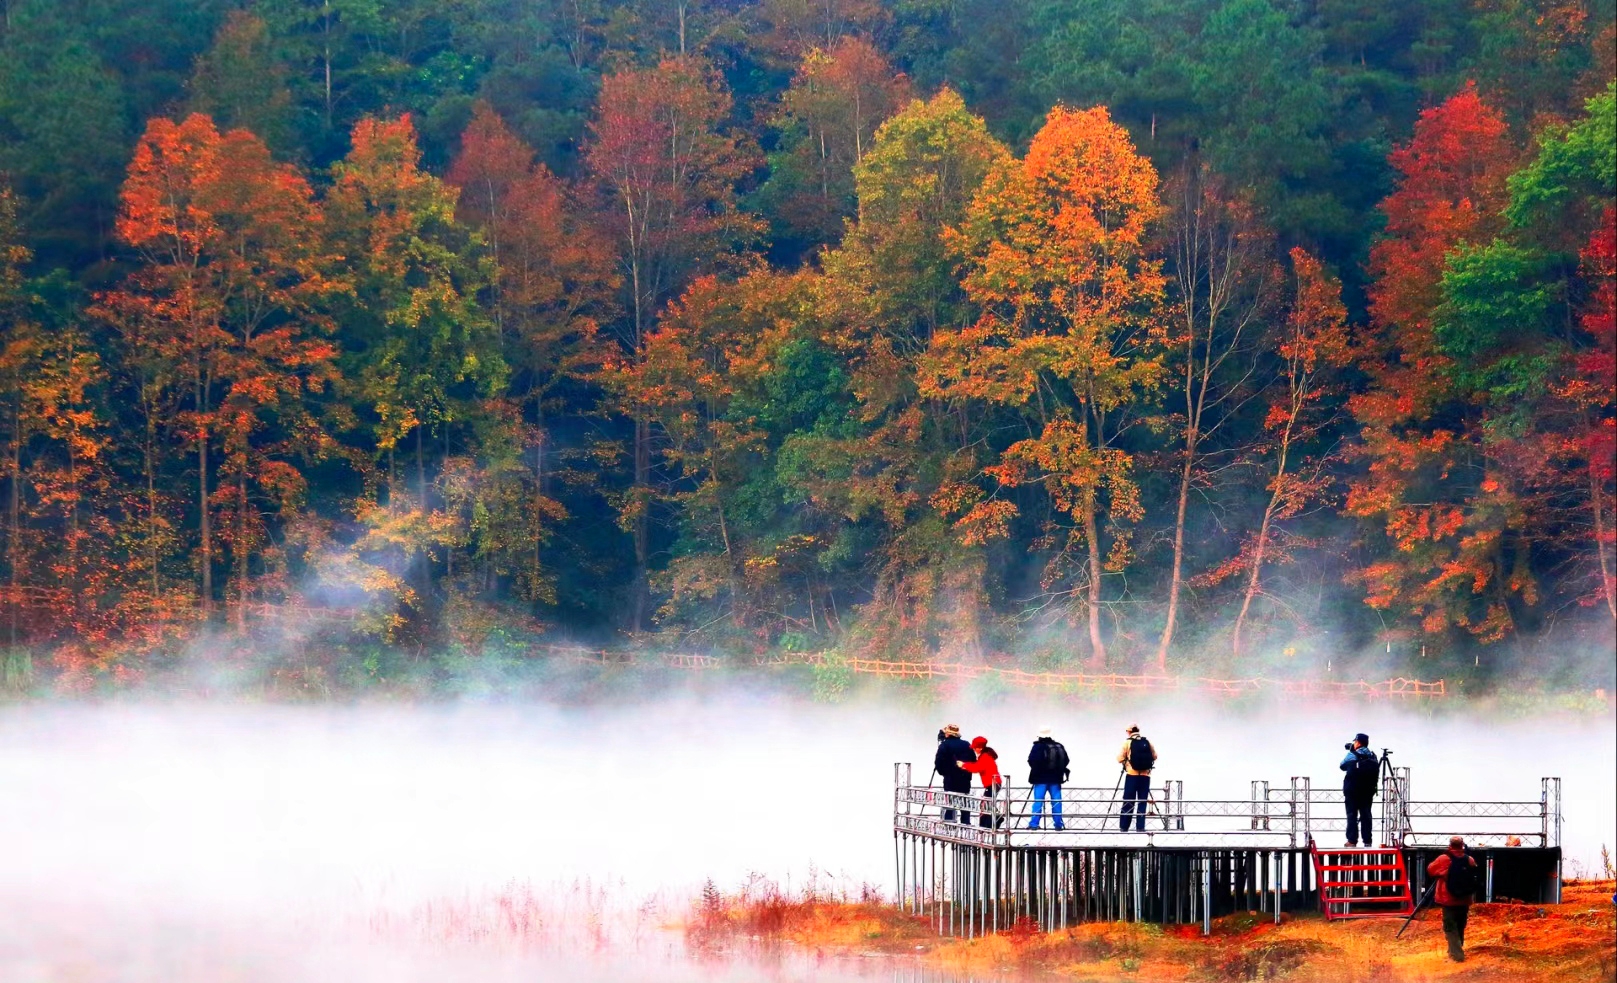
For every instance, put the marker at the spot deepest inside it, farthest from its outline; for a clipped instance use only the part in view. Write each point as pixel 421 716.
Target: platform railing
pixel 1294 815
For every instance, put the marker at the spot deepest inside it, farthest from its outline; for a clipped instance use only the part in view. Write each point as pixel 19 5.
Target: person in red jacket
pixel 986 767
pixel 1456 907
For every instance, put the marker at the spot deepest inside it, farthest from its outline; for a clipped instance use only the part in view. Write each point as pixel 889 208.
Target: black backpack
pixel 1056 760
pixel 1462 877
pixel 1141 754
pixel 1366 772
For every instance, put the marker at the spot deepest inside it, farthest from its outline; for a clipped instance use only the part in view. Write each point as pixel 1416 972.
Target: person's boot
pixel 1456 952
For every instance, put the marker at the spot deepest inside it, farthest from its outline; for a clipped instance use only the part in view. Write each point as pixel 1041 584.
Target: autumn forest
pixel 1132 335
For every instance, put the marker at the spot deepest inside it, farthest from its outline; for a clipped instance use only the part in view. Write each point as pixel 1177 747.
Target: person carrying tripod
pixel 1138 757
pixel 1457 883
pixel 1361 771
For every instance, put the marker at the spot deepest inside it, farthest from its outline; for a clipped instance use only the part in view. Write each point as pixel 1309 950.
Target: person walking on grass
pixel 1138 757
pixel 952 751
pixel 986 767
pixel 1046 771
pixel 1457 883
pixel 1361 770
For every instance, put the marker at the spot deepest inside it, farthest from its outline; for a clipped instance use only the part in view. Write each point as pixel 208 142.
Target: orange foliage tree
pixel 1070 335
pixel 552 285
pixel 1314 349
pixel 1426 469
pixel 837 99
pixel 665 175
pixel 224 307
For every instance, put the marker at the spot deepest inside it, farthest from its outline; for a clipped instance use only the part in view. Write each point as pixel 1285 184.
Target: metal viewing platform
pixel 1197 858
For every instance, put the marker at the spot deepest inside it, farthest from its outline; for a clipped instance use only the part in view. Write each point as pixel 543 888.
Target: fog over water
pixel 168 841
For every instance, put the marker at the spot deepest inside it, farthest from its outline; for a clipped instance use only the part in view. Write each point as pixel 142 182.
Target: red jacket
pixel 1439 869
pixel 986 766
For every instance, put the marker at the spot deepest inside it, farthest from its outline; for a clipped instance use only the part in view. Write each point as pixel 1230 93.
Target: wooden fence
pixel 1070 681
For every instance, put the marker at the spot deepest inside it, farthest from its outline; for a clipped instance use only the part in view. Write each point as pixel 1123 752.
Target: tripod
pixel 1150 803
pixel 1395 814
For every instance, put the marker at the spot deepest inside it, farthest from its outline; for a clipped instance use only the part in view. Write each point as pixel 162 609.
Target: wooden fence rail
pixel 1398 687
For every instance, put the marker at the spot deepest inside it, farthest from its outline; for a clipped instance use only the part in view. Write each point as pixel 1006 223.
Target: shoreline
pixel 1571 942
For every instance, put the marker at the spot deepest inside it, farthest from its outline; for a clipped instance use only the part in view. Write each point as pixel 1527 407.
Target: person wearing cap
pixel 1046 771
pixel 951 752
pixel 1456 909
pixel 1361 770
pixel 1138 757
pixel 986 767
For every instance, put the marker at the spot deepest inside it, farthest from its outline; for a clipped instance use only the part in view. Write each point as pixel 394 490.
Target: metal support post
pixel 1276 882
pixel 1488 894
pixel 1207 892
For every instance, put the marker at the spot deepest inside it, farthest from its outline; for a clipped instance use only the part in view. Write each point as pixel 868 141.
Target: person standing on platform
pixel 1138 757
pixel 1361 771
pixel 951 752
pixel 1046 771
pixel 986 767
pixel 1457 882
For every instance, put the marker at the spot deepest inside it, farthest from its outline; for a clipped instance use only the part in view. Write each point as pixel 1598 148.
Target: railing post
pixel 1308 809
pixel 1555 788
pixel 1544 812
pixel 1254 817
pixel 1265 801
pixel 1207 892
pixel 1293 815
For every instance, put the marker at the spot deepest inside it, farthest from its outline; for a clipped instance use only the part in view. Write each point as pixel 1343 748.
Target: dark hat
pixel 1362 739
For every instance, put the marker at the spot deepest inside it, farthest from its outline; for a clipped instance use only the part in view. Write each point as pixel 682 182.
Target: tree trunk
pixel 1262 545
pixel 241 554
pixel 642 526
pixel 1608 577
pixel 1097 646
pixel 642 460
pixel 1178 553
pixel 14 523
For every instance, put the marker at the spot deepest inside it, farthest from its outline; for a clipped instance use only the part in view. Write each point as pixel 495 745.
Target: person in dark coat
pixel 951 751
pixel 1359 788
pixel 1046 771
pixel 1456 910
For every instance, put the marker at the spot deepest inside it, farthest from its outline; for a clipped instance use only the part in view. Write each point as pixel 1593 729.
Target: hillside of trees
pixel 1135 335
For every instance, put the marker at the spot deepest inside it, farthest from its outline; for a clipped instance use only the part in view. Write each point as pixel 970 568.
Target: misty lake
pixel 248 842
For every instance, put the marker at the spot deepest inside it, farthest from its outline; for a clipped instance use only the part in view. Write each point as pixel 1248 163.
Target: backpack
pixel 1141 754
pixel 1055 759
pixel 1366 772
pixel 1461 878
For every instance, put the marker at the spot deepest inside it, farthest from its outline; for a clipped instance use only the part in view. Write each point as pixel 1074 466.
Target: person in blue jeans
pixel 1046 771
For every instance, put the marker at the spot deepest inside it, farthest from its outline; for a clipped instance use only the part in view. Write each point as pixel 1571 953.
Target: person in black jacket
pixel 951 751
pixel 1361 769
pixel 1046 771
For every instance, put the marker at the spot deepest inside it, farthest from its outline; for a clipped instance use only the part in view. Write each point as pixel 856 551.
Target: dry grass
pixel 1572 942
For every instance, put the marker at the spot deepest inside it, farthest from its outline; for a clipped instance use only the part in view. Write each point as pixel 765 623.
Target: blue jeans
pixel 1040 793
pixel 1136 788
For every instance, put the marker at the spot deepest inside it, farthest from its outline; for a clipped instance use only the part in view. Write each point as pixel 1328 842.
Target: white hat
pixel 1044 731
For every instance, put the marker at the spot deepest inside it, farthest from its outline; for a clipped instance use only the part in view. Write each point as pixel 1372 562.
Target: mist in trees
pixel 1129 336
